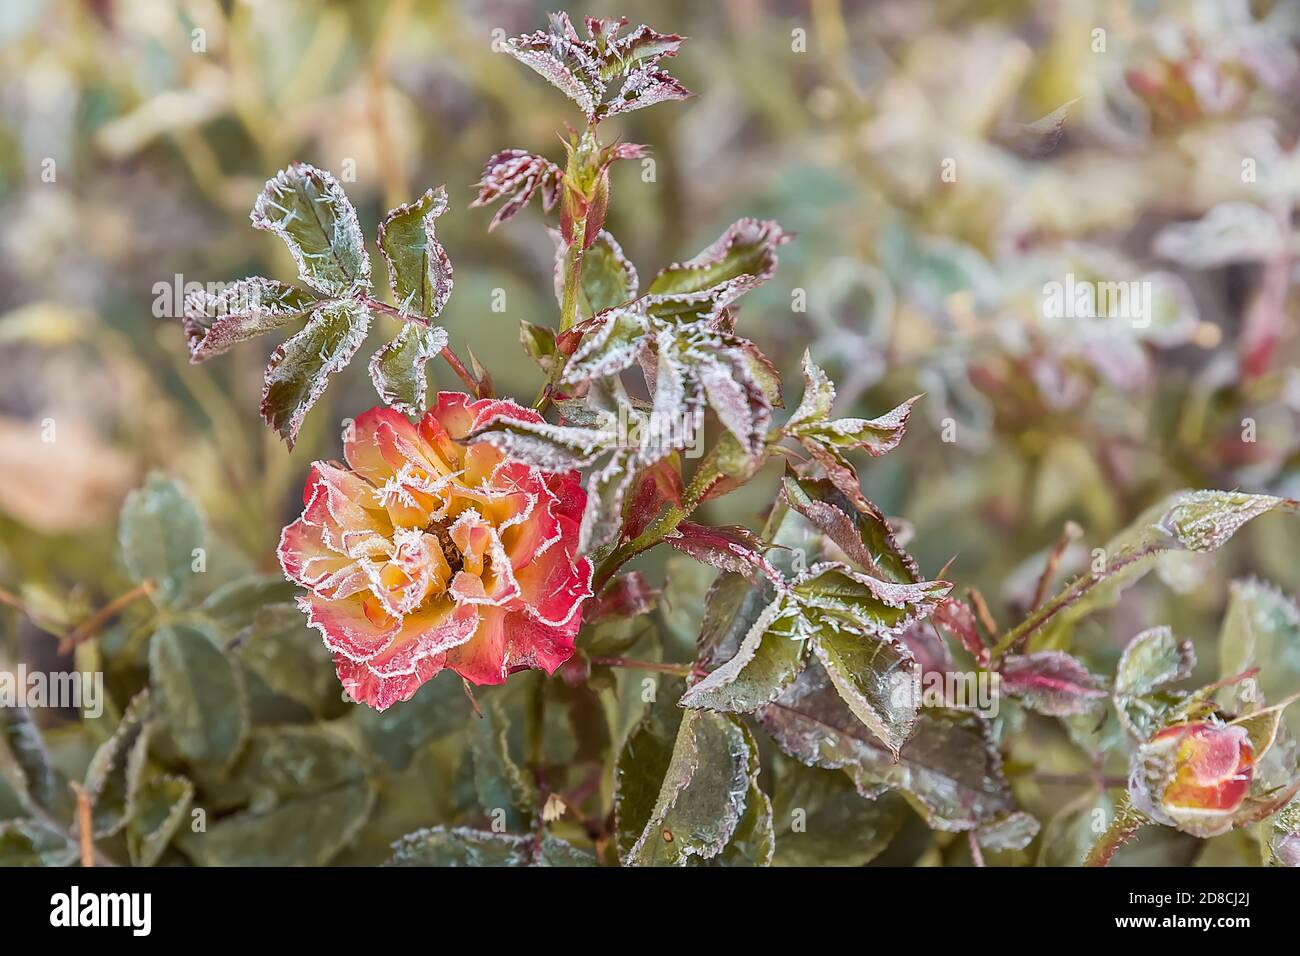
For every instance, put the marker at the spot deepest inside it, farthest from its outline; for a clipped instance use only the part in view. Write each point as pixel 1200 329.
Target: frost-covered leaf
pixel 517 174
pixel 642 764
pixel 743 258
pixel 818 395
pixel 308 209
pixel 1261 628
pixel 862 602
pixel 505 791
pixel 419 272
pixel 159 530
pixel 728 548
pixel 612 344
pixel 608 276
pixel 1229 232
pixel 1152 660
pixel 1015 831
pixel 607 488
pixel 544 445
pixel 704 795
pixel 539 342
pixel 770 657
pixel 235 606
pixel 26 842
pixel 397 369
pixel 1051 682
pixel 856 527
pixel 584 69
pixel 950 768
pixel 198 699
pixel 161 806
pixel 300 368
pixel 113 777
pixel 876 676
pixel 214 324
pixel 462 846
pixel 821 820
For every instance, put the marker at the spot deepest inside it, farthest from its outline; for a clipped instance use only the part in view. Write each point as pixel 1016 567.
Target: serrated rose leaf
pixel 1051 682
pixel 876 676
pixel 640 48
pixel 308 209
pixel 950 766
pixel 419 271
pixel 608 277
pixel 214 324
pixel 743 258
pixel 1152 660
pixel 728 548
pixel 397 369
pixel 301 367
pixel 644 88
pixel 544 445
pixel 705 793
pixel 517 174
pixel 607 488
pixel 875 436
pixel 561 58
pixel 1015 831
pixel 612 343
pixel 956 617
pixel 769 658
pixel 818 395
pixel 866 603
pixel 856 527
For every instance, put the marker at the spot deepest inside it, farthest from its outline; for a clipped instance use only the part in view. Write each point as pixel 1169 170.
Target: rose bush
pixel 424 553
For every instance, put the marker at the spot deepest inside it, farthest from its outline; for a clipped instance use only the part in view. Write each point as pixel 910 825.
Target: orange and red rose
pixel 1195 776
pixel 425 553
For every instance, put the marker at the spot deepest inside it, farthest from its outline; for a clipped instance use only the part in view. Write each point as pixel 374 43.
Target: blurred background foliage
pixel 135 134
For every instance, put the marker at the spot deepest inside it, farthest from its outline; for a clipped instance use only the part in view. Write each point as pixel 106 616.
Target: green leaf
pixel 161 805
pixel 308 209
pixel 821 820
pixel 1262 629
pixel 539 342
pixel 461 846
pixel 642 765
pixel 198 697
pixel 612 346
pixel 1153 660
pixel 705 793
pixel 160 532
pixel 419 272
pixel 287 762
pixel 877 677
pixel 300 367
pixel 289 657
pixel 949 769
pixel 397 369
pixel 743 258
pixel 505 791
pixel 29 767
pixel 769 658
pixel 863 602
pixel 32 843
pixel 305 831
pixel 608 276
pixel 113 778
pixel 214 324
